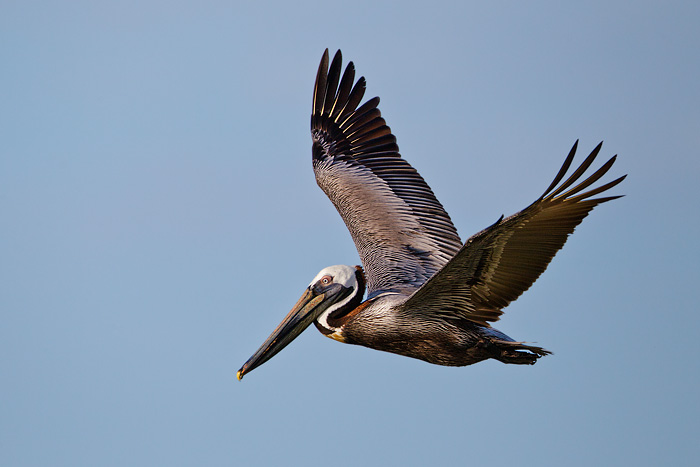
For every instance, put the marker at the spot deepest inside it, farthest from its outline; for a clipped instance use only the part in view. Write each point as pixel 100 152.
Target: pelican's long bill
pixel 302 315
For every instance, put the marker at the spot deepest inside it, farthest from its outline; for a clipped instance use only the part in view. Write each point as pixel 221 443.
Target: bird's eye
pixel 325 280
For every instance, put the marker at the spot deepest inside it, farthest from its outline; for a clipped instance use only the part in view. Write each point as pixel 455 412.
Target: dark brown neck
pixel 337 317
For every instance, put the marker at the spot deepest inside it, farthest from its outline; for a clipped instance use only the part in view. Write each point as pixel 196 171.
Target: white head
pixel 340 274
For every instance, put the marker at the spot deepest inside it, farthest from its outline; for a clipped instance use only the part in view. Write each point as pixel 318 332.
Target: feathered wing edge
pixel 338 126
pixel 498 264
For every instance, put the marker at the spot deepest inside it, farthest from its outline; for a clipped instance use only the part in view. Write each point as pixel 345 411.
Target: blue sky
pixel 159 217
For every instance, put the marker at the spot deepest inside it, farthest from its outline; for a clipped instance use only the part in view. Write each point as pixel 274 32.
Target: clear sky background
pixel 159 217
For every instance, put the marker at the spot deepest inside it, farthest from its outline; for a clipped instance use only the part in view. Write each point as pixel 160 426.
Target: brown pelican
pixel 428 295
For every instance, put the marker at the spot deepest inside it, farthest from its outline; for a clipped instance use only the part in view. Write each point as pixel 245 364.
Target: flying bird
pixel 429 296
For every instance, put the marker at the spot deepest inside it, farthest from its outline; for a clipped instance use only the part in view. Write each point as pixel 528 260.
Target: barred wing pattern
pixel 401 231
pixel 498 264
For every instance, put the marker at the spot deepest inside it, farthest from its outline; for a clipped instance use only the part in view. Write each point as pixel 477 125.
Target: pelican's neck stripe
pixel 332 319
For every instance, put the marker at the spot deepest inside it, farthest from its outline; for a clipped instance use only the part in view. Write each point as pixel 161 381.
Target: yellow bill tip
pixel 239 375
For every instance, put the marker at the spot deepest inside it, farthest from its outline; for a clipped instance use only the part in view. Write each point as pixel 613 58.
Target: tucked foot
pixel 510 352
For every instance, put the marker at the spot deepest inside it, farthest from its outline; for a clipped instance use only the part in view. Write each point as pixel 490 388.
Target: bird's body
pixel 429 296
pixel 386 323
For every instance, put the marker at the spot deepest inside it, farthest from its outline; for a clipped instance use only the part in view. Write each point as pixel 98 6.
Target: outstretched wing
pixel 401 231
pixel 498 264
